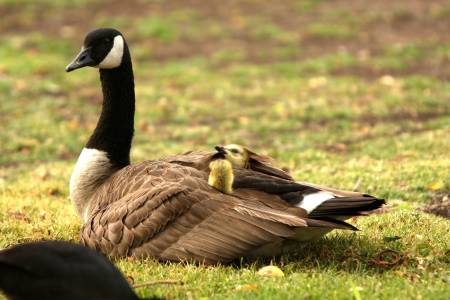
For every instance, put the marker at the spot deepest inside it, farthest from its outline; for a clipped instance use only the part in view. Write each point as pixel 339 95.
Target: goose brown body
pixel 169 211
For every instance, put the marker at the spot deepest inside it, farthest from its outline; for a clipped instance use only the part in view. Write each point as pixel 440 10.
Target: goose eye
pixel 235 151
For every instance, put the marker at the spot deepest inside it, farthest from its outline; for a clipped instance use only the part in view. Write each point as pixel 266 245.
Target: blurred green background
pixel 340 92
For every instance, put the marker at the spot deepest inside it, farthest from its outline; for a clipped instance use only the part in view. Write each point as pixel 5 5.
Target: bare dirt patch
pixel 374 25
pixel 440 206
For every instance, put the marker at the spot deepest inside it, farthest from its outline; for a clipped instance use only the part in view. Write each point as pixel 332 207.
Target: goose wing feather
pixel 195 159
pixel 263 164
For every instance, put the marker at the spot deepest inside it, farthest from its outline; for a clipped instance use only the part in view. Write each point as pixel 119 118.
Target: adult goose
pixel 166 208
pixel 60 270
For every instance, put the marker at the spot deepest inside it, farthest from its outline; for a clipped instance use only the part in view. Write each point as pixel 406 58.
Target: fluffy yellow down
pixel 221 175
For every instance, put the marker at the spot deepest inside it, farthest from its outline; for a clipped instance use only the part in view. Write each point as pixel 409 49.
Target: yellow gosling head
pixel 221 174
pixel 236 154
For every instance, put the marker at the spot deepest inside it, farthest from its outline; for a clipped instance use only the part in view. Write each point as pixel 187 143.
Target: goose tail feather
pixel 346 206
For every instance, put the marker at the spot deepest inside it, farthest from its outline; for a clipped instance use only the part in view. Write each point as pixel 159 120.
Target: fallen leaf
pixel 435 186
pixel 316 82
pixel 270 271
pixel 387 80
pixel 244 120
pixel 247 287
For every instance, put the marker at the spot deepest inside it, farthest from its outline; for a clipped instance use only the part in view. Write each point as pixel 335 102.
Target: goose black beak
pixel 83 59
pixel 220 149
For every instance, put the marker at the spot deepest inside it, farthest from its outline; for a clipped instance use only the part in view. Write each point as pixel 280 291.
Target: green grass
pixel 203 79
pixel 158 28
pixel 331 31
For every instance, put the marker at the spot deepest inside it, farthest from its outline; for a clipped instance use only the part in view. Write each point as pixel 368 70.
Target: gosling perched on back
pixel 318 201
pixel 221 175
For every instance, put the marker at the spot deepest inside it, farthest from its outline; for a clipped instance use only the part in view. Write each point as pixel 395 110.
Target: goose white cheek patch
pixel 114 57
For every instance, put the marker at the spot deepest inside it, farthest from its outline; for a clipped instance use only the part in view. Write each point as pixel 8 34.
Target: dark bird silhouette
pixel 60 270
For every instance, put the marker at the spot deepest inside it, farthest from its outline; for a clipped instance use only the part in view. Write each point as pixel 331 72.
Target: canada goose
pixel 166 208
pixel 60 270
pixel 221 173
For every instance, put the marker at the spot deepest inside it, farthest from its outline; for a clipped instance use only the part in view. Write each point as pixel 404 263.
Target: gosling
pixel 221 175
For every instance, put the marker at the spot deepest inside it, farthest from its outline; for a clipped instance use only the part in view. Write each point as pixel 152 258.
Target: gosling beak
pixel 83 59
pixel 220 149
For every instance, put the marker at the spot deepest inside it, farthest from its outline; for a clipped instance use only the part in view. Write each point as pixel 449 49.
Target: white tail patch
pixel 312 201
pixel 92 169
pixel 114 57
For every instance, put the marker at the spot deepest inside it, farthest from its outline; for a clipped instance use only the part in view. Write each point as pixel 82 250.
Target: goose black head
pixel 102 48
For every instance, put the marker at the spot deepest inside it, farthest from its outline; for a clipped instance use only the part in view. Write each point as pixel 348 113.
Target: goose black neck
pixel 115 127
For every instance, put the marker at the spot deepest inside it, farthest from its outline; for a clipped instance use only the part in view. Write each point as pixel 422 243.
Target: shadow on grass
pixel 352 254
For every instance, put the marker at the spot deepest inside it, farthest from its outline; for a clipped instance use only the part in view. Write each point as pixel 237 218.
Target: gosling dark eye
pixel 235 151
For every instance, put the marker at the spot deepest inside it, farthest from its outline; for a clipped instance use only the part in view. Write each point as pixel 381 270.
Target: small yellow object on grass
pixel 435 186
pixel 270 271
pixel 247 287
